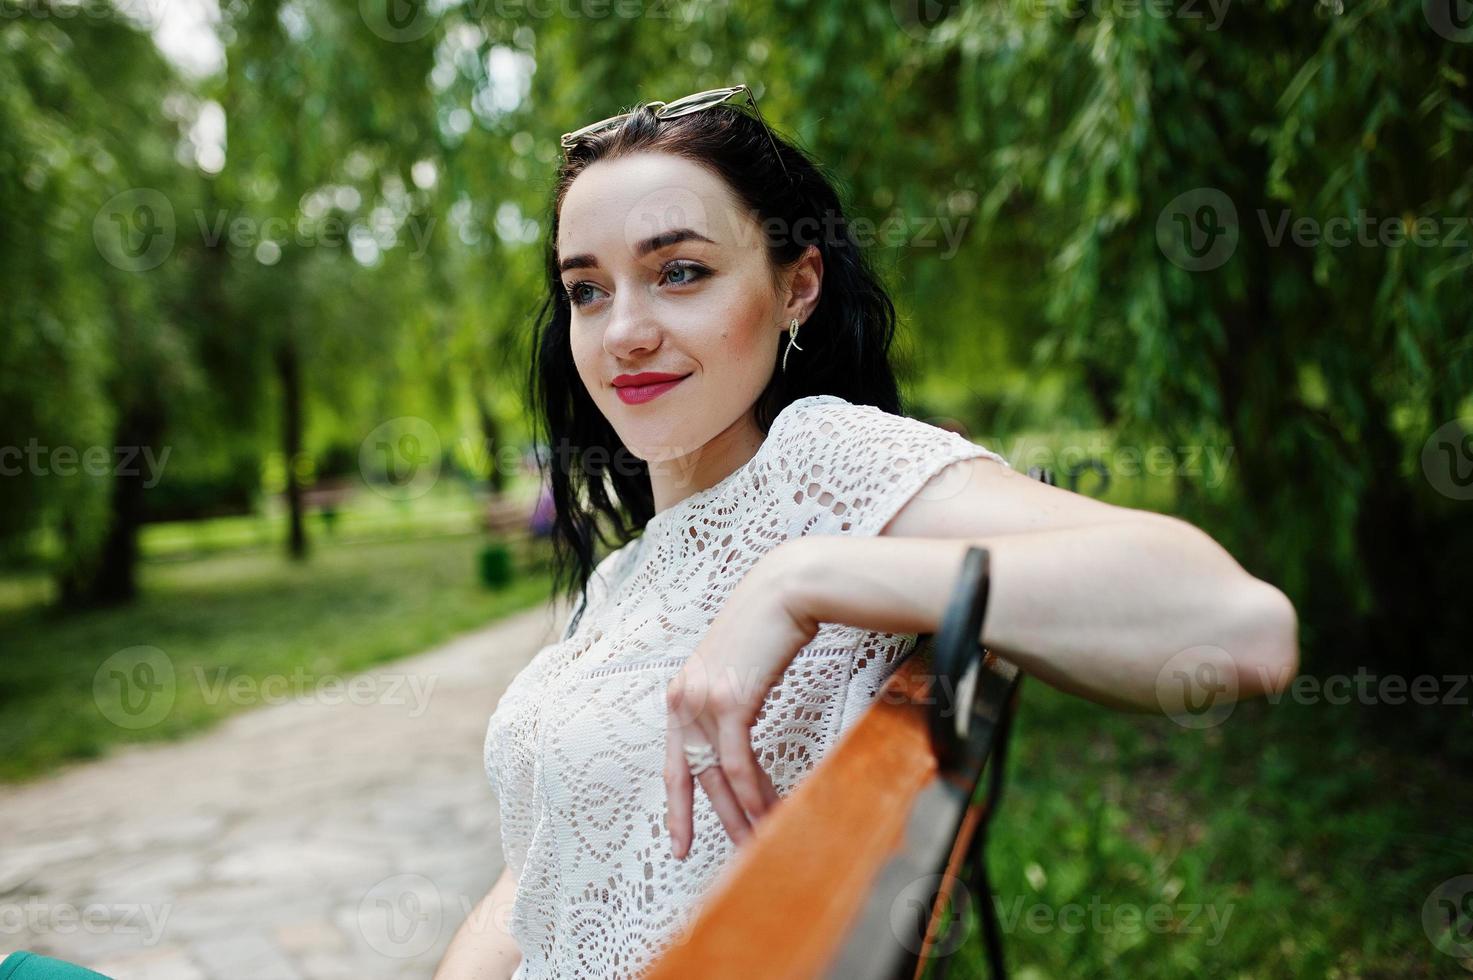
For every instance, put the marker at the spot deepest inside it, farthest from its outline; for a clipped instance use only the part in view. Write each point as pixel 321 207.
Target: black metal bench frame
pixel 973 699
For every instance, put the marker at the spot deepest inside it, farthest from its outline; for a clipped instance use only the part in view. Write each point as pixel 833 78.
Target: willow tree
pixel 96 350
pixel 317 213
pixel 1250 223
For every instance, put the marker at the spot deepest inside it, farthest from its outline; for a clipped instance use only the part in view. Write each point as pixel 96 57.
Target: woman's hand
pixel 716 696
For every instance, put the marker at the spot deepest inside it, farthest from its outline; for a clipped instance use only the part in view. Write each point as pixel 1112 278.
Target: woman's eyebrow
pixel 663 240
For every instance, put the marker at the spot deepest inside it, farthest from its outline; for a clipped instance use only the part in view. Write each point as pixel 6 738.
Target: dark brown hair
pixel 846 341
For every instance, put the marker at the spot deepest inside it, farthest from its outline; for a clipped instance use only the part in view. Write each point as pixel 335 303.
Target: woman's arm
pixel 1128 608
pixel 1102 611
pixel 1110 603
pixel 483 947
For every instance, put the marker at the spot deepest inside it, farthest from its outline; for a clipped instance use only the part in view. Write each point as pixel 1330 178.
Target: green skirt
pixel 32 966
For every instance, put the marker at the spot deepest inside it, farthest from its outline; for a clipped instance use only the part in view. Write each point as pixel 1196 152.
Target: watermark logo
pixel 910 913
pixel 135 688
pixel 1447 917
pixel 1198 687
pixel 400 459
pixel 1453 19
pixel 1209 13
pixel 921 18
pixel 1366 688
pixel 665 210
pixel 398 20
pixel 1364 229
pixel 401 916
pixel 34 918
pixel 1198 230
pixel 1123 918
pixel 134 231
pixel 1447 459
pixel 67 461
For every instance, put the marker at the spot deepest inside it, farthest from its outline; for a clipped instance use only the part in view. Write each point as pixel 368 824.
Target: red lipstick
pixel 635 389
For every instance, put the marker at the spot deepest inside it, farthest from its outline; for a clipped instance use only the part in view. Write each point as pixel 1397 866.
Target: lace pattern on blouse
pixel 575 749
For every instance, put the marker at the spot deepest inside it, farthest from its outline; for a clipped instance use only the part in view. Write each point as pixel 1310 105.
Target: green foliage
pixel 1327 368
pixel 390 185
pixel 86 345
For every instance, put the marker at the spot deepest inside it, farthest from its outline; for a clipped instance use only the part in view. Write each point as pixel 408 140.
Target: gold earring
pixel 792 340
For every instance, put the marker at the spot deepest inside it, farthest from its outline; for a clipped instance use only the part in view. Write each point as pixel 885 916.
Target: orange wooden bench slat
pixel 814 880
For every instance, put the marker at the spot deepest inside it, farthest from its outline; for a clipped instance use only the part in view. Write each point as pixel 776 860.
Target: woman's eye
pixel 676 273
pixel 575 294
pixel 683 273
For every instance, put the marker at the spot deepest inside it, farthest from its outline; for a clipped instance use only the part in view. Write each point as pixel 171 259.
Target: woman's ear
pixel 804 286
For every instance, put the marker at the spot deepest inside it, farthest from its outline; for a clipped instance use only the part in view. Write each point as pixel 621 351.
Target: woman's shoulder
pixel 833 423
pixel 843 467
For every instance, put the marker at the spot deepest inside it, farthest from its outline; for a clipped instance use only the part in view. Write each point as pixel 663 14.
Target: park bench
pixel 866 870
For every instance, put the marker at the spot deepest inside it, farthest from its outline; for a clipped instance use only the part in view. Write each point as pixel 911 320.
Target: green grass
pixel 366 516
pixel 1312 838
pixel 249 615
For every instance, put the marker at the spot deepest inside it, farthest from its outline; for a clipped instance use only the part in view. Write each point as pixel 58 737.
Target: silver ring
pixel 700 758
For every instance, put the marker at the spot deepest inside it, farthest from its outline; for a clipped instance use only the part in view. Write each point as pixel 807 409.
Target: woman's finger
pixel 725 803
pixel 750 784
pixel 679 791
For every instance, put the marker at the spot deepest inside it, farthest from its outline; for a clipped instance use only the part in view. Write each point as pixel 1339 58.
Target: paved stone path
pixel 304 839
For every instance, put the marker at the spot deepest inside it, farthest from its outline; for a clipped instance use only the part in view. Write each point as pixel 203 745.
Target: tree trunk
pixel 289 373
pixel 491 435
pixel 111 576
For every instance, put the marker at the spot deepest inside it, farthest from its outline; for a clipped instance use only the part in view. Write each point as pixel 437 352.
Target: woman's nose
pixel 632 326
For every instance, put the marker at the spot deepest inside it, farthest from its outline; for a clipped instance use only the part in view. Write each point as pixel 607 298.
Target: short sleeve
pixel 842 468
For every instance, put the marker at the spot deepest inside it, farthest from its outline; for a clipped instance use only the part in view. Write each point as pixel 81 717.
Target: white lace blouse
pixel 575 749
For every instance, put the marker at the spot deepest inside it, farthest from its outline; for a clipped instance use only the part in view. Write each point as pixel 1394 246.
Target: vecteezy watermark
pixel 39 460
pixel 1447 917
pixel 661 213
pixel 261 236
pixel 1453 19
pixel 1199 231
pixel 923 19
pixel 1366 688
pixel 1210 12
pixel 1364 229
pixel 409 20
pixel 400 458
pixel 1447 459
pixel 1198 687
pixel 34 917
pixel 136 231
pixel 300 687
pixel 1104 460
pixel 1125 918
pixel 138 687
pixel 135 688
pixel 401 916
pixel 912 909
pixel 147 14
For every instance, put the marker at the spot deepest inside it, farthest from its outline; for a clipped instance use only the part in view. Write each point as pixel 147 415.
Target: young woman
pixel 713 356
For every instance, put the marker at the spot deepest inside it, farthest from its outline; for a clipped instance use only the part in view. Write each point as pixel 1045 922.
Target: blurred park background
pixel 267 273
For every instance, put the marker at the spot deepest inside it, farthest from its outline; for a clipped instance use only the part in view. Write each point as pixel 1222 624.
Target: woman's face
pixel 666 272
